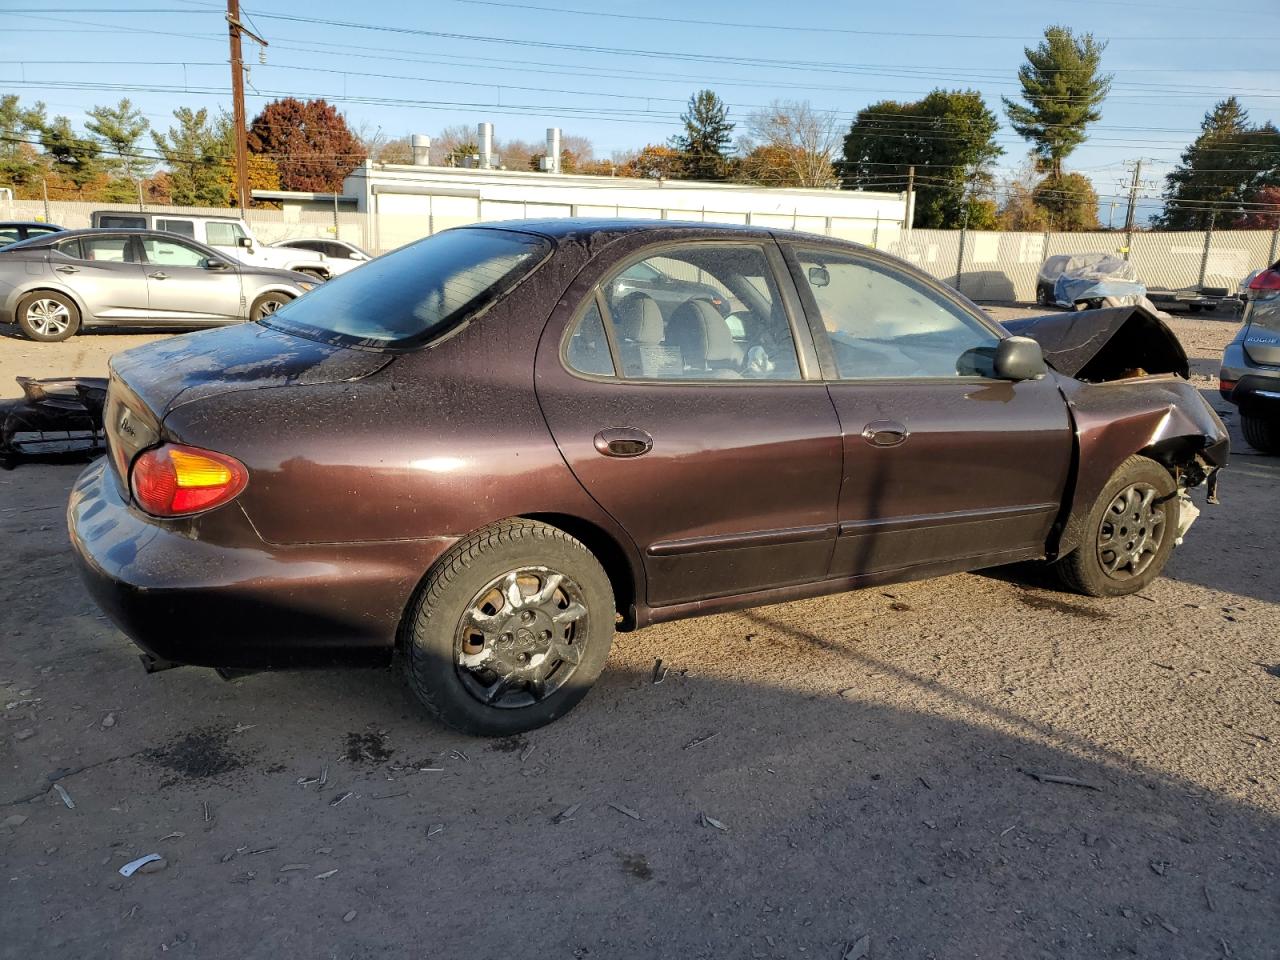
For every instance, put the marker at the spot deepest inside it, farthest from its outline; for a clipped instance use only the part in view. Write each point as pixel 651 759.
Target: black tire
pixel 268 304
pixel 61 316
pixel 1262 434
pixel 435 641
pixel 1084 571
pixel 316 274
pixel 1193 308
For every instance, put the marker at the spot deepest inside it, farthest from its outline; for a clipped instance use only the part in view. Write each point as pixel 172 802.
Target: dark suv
pixel 484 452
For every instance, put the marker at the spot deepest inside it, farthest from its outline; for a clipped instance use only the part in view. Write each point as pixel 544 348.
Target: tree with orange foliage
pixel 310 143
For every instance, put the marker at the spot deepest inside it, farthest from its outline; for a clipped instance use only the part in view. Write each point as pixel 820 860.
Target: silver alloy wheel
pixel 267 307
pixel 521 637
pixel 1131 532
pixel 48 317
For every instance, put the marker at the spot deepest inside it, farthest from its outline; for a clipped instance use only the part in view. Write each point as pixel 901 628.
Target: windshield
pixel 418 291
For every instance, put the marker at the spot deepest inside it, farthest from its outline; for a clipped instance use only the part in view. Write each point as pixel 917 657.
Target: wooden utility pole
pixel 235 29
pixel 910 214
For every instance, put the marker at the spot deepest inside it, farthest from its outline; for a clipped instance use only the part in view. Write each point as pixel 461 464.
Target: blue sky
pixel 1171 61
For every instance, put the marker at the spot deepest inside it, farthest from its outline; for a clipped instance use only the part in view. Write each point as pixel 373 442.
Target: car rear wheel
pixel 1263 435
pixel 1128 534
pixel 510 629
pixel 48 317
pixel 267 304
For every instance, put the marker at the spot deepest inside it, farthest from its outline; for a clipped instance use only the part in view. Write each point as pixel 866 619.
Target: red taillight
pixel 1266 280
pixel 175 480
pixel 1225 387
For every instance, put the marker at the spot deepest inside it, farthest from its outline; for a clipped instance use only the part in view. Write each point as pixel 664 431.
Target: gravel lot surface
pixel 975 766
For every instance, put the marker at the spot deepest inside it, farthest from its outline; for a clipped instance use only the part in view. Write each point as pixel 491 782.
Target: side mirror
pixel 212 264
pixel 245 242
pixel 819 276
pixel 1019 358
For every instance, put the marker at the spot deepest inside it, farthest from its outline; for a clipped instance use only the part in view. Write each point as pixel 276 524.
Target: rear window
pixel 118 222
pixel 416 292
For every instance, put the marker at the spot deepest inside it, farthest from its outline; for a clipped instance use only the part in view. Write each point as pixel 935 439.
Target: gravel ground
pixel 975 766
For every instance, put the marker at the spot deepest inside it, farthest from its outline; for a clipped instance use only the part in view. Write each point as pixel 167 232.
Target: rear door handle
pixel 885 433
pixel 67 269
pixel 158 276
pixel 623 442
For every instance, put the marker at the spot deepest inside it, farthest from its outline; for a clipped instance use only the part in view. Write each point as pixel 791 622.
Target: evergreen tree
pixel 1227 165
pixel 949 137
pixel 707 134
pixel 19 128
pixel 1063 90
pixel 198 157
pixel 120 130
pixel 74 157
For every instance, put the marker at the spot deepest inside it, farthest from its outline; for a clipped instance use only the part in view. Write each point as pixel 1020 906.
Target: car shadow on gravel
pixel 708 815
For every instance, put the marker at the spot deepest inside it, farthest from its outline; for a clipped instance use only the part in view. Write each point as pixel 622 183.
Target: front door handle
pixel 623 442
pixel 158 276
pixel 885 433
pixel 67 269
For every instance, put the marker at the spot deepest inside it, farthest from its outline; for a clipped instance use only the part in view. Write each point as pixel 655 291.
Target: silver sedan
pixel 53 286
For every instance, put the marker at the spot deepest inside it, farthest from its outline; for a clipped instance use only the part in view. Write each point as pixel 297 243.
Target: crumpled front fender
pixel 1165 418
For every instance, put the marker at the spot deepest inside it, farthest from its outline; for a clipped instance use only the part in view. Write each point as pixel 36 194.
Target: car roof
pixel 577 228
pixel 30 223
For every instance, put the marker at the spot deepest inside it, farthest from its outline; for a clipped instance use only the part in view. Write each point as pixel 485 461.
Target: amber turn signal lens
pixel 176 480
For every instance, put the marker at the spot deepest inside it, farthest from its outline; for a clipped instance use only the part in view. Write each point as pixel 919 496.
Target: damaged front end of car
pixel 1124 376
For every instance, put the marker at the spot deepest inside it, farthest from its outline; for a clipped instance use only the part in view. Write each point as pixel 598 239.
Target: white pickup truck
pixel 229 235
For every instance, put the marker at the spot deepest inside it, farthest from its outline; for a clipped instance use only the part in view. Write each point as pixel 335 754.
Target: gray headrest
pixel 639 319
pixel 703 337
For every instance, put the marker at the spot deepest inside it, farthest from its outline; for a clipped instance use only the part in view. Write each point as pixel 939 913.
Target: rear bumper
pixel 251 604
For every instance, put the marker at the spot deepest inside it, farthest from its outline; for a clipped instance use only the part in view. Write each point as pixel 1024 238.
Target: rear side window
pixel 122 222
pixel 588 349
pixel 418 291
pixel 183 228
pixel 98 249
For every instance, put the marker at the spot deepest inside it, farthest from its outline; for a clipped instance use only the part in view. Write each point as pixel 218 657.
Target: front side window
pixel 184 228
pixel 717 314
pixel 221 234
pixel 172 253
pixel 418 291
pixel 883 323
pixel 10 235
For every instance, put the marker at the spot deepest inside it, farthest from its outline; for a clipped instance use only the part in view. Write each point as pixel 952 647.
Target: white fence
pixel 992 266
pixel 1003 266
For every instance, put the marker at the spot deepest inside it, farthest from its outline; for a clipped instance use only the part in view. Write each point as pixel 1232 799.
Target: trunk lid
pixel 1262 335
pixel 148 382
pixel 247 356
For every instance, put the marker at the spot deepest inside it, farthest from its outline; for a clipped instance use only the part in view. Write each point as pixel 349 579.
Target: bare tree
pixel 805 139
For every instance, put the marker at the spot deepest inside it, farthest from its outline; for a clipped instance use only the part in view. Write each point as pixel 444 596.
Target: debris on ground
pixel 66 797
pixel 133 866
pixel 567 813
pixel 1058 778
pixel 434 829
pixel 659 671
pixel 339 798
pixel 326 875
pixel 711 822
pixel 348 916
pixel 859 949
pixel 16 820
pixel 626 811
pixel 699 741
pixel 58 418
pixel 109 721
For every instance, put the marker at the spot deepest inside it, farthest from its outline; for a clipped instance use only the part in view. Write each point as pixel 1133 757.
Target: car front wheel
pixel 510 629
pixel 1128 534
pixel 48 317
pixel 1262 434
pixel 267 304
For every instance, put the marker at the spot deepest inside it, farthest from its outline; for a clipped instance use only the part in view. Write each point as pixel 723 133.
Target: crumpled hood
pixel 246 356
pixel 1093 344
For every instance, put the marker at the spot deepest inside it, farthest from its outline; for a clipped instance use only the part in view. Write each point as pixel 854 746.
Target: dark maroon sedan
pixel 487 451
